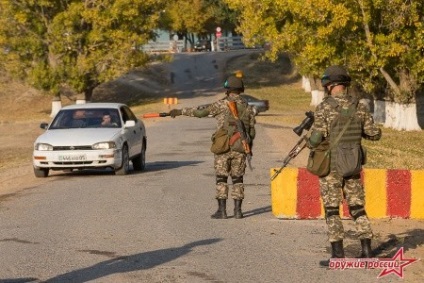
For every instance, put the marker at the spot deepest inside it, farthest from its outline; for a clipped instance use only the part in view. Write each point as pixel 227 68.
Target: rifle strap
pixel 240 117
pixel 231 125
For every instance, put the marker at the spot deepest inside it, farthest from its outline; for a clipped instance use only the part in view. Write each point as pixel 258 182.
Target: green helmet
pixel 234 83
pixel 336 75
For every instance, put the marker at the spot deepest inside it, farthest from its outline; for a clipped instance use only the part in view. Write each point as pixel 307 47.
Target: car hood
pixel 62 137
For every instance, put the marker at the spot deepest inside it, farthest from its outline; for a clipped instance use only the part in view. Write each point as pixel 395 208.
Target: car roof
pixel 92 105
pixel 248 95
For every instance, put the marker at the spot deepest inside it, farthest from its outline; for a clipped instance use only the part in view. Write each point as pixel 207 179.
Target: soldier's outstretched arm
pixel 200 113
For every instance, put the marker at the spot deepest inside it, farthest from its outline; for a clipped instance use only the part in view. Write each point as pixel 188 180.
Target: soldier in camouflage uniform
pixel 233 162
pixel 333 186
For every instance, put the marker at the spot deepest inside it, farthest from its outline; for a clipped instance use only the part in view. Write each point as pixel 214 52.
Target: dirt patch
pixel 141 86
pixel 258 73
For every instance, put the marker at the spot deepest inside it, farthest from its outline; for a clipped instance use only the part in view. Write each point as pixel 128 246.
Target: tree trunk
pixel 398 116
pixel 316 93
pixel 88 93
pixel 306 84
pixel 56 105
pixel 371 47
pixel 407 87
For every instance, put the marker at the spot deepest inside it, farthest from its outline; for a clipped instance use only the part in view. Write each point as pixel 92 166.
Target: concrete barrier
pixel 389 194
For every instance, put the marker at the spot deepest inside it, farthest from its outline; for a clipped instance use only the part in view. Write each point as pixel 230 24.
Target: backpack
pixel 345 138
pixel 220 141
pixel 319 160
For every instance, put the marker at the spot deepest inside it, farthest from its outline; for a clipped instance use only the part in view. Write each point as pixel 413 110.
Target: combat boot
pixel 337 250
pixel 366 248
pixel 237 209
pixel 221 213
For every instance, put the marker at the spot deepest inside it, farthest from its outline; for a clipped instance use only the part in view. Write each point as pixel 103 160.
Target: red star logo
pixel 398 264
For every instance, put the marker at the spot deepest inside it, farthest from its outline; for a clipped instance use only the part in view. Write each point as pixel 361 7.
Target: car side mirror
pixel 129 124
pixel 44 125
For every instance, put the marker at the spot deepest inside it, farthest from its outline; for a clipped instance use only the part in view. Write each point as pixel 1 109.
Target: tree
pixel 191 18
pixel 394 33
pixel 381 42
pixel 77 45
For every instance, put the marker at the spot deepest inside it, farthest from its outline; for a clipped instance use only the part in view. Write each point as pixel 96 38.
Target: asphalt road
pixel 155 226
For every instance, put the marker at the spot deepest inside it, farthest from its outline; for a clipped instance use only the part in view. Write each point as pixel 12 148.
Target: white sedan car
pixel 91 136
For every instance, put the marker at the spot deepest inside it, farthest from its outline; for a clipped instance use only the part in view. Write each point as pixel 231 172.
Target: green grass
pixel 288 103
pixel 397 150
pixel 154 105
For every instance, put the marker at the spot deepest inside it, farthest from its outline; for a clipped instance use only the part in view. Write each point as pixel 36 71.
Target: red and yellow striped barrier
pixel 389 194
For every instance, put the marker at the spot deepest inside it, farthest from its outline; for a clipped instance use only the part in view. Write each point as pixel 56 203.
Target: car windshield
pixel 86 118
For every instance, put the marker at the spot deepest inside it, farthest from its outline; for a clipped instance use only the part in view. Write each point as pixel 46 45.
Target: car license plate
pixel 80 157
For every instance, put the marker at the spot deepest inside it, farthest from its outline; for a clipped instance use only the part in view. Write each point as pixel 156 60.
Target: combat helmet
pixel 234 83
pixel 335 75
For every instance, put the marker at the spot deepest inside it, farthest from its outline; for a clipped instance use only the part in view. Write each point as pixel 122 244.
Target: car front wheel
pixel 125 168
pixel 41 172
pixel 139 163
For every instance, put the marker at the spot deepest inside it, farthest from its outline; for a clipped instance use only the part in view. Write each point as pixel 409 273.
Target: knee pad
pixel 357 211
pixel 331 211
pixel 237 180
pixel 221 179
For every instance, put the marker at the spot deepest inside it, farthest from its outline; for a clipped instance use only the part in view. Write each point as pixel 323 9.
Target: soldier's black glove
pixel 175 112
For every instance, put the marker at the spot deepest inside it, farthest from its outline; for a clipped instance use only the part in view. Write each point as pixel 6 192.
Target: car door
pixel 132 134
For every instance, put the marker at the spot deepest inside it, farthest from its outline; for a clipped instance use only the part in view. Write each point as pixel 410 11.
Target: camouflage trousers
pixel 230 164
pixel 333 188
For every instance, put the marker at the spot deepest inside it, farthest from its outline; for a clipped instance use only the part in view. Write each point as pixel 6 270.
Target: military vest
pixel 353 133
pixel 346 155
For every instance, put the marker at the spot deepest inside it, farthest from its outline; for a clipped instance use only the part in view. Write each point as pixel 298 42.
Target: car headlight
pixel 43 146
pixel 104 145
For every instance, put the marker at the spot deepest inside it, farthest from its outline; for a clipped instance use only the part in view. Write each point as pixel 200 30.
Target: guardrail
pixel 164 46
pixel 222 44
pixel 230 43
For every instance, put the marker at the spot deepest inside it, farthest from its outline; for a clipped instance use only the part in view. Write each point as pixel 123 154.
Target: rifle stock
pixel 232 105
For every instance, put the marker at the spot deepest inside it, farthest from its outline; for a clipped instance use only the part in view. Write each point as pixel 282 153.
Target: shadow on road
pixel 150 167
pixel 122 264
pixel 409 240
pixel 166 165
pixel 19 280
pixel 387 248
pixel 257 211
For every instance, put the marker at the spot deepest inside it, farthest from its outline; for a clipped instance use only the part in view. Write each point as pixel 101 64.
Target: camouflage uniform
pixel 233 163
pixel 334 187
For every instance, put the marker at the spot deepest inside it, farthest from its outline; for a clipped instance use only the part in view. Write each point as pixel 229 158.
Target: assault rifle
pixel 245 139
pixel 300 145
